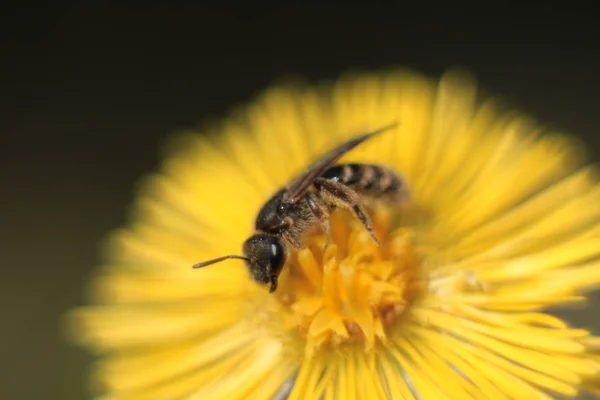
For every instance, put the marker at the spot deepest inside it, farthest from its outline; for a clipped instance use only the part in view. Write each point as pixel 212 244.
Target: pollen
pixel 348 290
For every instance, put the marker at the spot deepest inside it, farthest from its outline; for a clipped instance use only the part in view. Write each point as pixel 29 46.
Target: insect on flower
pixel 308 200
pixel 495 221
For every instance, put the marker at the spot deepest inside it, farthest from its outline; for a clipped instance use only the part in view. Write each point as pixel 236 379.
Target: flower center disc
pixel 355 291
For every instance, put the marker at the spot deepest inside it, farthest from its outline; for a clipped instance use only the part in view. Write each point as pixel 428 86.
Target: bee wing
pixel 297 188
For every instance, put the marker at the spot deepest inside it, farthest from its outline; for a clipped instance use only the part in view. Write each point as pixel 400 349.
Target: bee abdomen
pixel 367 179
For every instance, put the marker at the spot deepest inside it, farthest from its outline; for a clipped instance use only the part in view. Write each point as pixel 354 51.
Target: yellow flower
pixel 502 223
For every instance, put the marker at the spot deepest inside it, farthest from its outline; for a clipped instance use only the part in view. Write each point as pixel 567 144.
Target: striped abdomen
pixel 368 179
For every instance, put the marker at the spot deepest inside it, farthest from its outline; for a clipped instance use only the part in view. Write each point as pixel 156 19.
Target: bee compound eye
pixel 276 255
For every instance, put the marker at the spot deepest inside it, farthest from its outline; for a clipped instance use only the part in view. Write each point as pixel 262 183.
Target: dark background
pixel 90 90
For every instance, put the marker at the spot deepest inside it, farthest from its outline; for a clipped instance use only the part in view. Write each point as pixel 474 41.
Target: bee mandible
pixel 307 201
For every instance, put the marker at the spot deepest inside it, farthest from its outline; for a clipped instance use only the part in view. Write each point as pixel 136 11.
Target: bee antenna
pixel 216 260
pixel 386 127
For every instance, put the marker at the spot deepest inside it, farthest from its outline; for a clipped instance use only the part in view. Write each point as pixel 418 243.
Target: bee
pixel 307 201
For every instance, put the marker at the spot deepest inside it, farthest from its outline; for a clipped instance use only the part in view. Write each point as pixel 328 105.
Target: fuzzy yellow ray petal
pixel 367 366
pixel 181 247
pixel 528 212
pixel 357 92
pixel 392 376
pixel 120 287
pixel 418 380
pixel 136 370
pixel 531 376
pixel 576 220
pixel 508 376
pixel 451 116
pixel 245 150
pixel 318 120
pixel 193 165
pixel 273 142
pixel 412 107
pixel 540 288
pixel 329 393
pixel 387 103
pixel 504 320
pixel 457 175
pixel 436 370
pixel 348 377
pixel 473 370
pixel 545 159
pixel 311 369
pixel 197 179
pixel 341 386
pixel 555 362
pixel 570 279
pixel 493 149
pixel 502 374
pixel 134 253
pixel 539 296
pixel 578 278
pixel 194 169
pixel 511 185
pixel 182 385
pixel 177 222
pixel 109 328
pixel 536 319
pixel 306 368
pixel 226 215
pixel 372 151
pixel 478 142
pixel 518 337
pixel 355 370
pixel 558 256
pixel 288 109
pixel 576 249
pixel 247 375
pixel 318 112
pixel 327 382
pixel 280 376
pixel 516 302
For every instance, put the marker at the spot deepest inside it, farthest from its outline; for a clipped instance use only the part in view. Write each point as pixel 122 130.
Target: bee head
pixel 265 257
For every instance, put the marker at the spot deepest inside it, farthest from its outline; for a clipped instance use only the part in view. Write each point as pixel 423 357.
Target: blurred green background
pixel 89 91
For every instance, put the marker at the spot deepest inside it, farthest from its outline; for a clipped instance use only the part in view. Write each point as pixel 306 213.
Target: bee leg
pixel 273 284
pixel 344 197
pixel 294 240
pixel 322 215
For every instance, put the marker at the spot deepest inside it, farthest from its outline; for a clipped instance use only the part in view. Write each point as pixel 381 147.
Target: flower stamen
pixel 355 292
